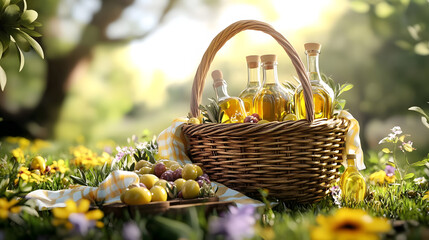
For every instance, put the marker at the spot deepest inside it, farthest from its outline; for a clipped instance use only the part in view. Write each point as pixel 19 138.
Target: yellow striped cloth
pixel 353 145
pixel 109 191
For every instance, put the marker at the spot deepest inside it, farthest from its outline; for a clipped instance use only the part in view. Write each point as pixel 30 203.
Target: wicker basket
pixel 295 160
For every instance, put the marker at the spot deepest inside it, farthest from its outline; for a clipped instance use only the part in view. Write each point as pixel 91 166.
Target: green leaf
pixel 422 48
pixel 425 121
pixel 408 176
pixel 11 13
pixel 420 163
pixel 5 41
pixel 5 3
pixel 30 211
pixel 19 39
pixel 340 104
pixel 25 187
pixel 419 110
pixel 82 175
pixel 21 57
pixel 3 78
pixel 33 43
pixel 29 16
pixel 78 180
pixel 344 88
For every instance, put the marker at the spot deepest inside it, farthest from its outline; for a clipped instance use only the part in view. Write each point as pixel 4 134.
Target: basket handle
pixel 228 33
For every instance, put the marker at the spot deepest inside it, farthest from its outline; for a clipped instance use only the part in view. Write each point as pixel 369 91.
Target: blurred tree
pixel 63 58
pixel 385 55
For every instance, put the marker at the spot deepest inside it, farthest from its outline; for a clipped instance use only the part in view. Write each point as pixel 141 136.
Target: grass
pixel 404 206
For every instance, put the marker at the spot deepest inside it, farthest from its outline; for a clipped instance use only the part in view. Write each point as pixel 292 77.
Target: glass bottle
pixel 253 82
pixel 271 101
pixel 352 183
pixel 323 95
pixel 232 107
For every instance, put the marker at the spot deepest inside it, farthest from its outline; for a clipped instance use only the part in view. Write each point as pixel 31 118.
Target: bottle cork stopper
pixel 253 61
pixel 351 156
pixel 217 78
pixel 312 48
pixel 268 58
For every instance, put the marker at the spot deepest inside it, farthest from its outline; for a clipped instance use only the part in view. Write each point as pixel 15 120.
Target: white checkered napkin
pixel 109 191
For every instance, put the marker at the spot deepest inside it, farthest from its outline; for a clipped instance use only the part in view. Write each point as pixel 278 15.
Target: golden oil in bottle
pixel 323 96
pixel 352 183
pixel 232 107
pixel 253 83
pixel 271 101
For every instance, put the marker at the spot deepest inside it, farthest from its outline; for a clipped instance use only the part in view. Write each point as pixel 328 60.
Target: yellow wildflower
pixel 39 144
pixel 7 207
pixel 62 215
pixel 23 143
pixel 390 179
pixel 381 177
pixel 85 157
pixel 18 154
pixel 59 166
pixel 426 196
pixel 377 177
pixel 349 224
pixel 27 176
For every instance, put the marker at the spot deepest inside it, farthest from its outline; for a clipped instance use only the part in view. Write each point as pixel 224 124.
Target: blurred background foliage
pixel 114 68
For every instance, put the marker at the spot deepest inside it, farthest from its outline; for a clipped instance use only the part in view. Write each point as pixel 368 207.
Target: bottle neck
pixel 253 77
pixel 351 163
pixel 270 73
pixel 221 91
pixel 313 67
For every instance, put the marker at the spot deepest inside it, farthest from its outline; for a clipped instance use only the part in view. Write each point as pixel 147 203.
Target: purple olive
pixel 255 115
pixel 160 169
pixel 177 173
pixel 167 175
pixel 200 183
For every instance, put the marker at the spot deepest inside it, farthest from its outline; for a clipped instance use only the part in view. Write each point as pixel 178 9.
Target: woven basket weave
pixel 296 161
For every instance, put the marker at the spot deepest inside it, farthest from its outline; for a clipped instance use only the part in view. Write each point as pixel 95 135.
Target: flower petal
pixel 94 214
pixel 83 206
pixel 4 213
pixel 61 213
pixel 99 224
pixel 4 203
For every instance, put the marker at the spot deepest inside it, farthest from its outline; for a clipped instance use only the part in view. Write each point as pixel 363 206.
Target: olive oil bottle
pixel 271 101
pixel 352 183
pixel 253 82
pixel 323 95
pixel 232 107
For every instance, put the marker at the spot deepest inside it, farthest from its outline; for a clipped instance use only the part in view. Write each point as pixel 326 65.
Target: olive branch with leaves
pixel 17 27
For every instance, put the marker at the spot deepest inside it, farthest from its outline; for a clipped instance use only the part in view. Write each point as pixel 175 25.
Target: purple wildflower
pixel 237 224
pixel 336 194
pixel 122 152
pixel 131 231
pixel 80 223
pixel 390 170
